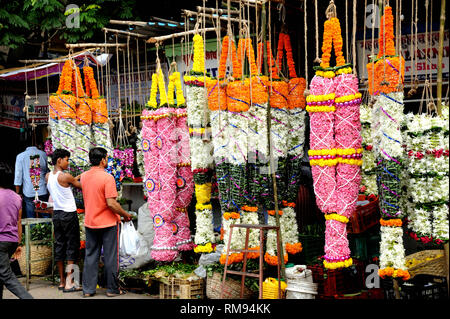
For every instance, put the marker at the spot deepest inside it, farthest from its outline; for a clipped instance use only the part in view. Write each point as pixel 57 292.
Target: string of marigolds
pixel 335 144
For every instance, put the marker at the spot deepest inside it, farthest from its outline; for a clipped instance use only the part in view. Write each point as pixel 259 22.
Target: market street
pixel 44 289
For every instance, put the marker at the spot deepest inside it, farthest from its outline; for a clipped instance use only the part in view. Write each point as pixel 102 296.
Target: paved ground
pixel 44 289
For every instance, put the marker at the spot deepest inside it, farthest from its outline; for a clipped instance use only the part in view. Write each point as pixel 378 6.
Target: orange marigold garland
pixel 386 72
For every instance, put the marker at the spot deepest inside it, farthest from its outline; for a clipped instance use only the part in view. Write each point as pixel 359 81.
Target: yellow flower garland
pixel 203 193
pixel 320 98
pixel 199 54
pixel 207 248
pixel 337 217
pixel 348 98
pixel 200 206
pixel 154 88
pixel 162 89
pixel 326 74
pixel 339 264
pixel 347 70
pixel 320 108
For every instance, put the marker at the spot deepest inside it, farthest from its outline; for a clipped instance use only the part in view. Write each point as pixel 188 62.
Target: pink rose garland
pixel 335 155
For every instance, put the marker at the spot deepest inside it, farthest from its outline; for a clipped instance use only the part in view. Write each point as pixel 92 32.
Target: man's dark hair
pixel 96 155
pixel 59 153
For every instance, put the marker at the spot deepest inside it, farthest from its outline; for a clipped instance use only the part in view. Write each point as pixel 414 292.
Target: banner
pixel 12 113
pixel 421 65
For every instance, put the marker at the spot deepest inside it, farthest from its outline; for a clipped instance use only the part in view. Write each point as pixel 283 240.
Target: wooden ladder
pixel 244 273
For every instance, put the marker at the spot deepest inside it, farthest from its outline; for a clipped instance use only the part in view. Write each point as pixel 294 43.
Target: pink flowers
pixel 168 179
pixel 336 178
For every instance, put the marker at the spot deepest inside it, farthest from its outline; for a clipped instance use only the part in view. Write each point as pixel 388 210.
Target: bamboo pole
pixel 439 76
pixel 179 34
pixel 217 11
pixel 206 15
pixel 138 23
pixel 100 45
pixel 121 32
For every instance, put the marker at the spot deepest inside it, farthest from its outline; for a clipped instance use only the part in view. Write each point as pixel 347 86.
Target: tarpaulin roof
pixel 41 70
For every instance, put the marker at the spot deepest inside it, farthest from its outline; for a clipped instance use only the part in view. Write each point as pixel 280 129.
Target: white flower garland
pixel 386 122
pixel 251 218
pixel 83 136
pixel 368 176
pixel 204 232
pixel 392 252
pixel 428 183
pixel 101 136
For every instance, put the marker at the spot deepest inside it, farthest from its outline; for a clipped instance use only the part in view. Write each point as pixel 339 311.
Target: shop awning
pixel 41 70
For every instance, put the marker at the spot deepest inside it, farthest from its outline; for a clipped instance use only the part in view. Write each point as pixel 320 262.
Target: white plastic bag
pixel 136 261
pixel 129 239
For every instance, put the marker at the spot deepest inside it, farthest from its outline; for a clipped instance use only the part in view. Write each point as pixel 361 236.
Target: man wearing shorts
pixel 65 218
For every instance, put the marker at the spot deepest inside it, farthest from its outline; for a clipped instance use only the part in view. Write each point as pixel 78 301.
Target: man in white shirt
pixel 65 218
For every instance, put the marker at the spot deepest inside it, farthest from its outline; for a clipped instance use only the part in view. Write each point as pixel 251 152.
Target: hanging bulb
pixel 36 102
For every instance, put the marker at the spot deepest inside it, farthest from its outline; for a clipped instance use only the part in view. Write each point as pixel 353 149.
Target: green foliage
pixel 38 20
pixel 41 231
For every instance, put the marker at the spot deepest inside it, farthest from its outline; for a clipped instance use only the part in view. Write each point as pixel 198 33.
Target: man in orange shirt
pixel 102 220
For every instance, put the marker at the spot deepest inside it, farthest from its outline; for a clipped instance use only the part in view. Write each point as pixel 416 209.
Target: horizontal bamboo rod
pixel 179 34
pixel 138 23
pixel 193 13
pixel 42 61
pixel 99 45
pixel 219 11
pixel 138 35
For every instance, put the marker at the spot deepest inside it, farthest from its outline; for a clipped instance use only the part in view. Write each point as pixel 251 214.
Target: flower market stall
pixel 244 117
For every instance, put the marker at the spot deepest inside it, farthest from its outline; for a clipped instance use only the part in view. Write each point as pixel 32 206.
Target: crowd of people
pixel 102 219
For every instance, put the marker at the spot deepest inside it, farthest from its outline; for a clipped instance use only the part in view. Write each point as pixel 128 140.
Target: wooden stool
pixel 243 273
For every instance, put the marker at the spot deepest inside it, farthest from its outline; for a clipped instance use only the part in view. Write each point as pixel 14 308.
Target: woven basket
pixel 231 288
pixel 434 267
pixel 38 268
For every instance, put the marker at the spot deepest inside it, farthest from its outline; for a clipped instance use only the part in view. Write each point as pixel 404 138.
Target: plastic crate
pixel 335 282
pixel 313 247
pixel 425 288
pixel 182 289
pixel 364 218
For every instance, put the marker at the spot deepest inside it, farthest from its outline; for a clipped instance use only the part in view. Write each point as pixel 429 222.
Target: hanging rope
pixel 354 38
pixel 372 53
pixel 317 59
pixel 399 45
pixel 346 29
pixel 306 41
pixel 118 75
pixel 139 72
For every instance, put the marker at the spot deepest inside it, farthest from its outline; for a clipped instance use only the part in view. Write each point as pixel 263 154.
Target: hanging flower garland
pixel 200 146
pixel 388 144
pixel 384 71
pixel 428 168
pixel 335 148
pixel 368 176
pixel 295 143
pixel 126 157
pixel 168 176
